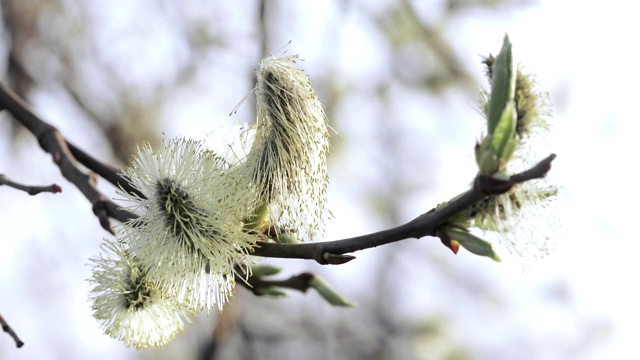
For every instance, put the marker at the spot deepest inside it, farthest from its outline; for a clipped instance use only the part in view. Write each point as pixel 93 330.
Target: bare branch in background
pixel 21 19
pixel 9 330
pixel 52 141
pixel 31 190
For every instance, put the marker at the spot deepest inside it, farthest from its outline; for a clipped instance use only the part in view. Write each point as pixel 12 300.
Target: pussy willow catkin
pixel 287 162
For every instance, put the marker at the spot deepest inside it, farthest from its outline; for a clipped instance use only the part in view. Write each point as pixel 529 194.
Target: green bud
pixel 272 291
pixel 264 270
pixel 486 157
pixel 257 219
pixel 328 293
pixel 288 238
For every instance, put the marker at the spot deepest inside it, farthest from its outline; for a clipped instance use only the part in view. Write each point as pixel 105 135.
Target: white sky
pixel 585 51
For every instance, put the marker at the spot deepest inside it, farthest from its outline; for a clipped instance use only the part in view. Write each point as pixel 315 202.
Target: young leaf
pixel 486 156
pixel 503 85
pixel 328 293
pixel 503 141
pixel 473 243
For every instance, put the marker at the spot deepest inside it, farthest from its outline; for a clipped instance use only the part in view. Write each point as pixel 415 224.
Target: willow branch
pixel 106 171
pixel 52 141
pixel 328 252
pixel 333 252
pixel 9 330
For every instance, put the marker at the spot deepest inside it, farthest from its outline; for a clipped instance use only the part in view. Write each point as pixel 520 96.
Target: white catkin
pixel 287 162
pixel 128 306
pixel 523 219
pixel 189 234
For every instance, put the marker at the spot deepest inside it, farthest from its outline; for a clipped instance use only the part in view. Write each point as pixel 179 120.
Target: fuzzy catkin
pixel 128 305
pixel 189 234
pixel 287 163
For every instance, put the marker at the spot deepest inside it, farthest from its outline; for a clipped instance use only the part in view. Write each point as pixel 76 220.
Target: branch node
pixel 488 185
pixel 100 210
pixel 31 190
pixel 93 179
pixel 57 157
pixel 52 141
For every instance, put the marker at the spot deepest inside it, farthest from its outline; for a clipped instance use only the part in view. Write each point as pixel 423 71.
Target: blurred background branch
pixel 399 80
pixel 7 328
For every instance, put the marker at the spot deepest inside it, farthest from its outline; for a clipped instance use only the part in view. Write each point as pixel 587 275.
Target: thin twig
pixel 328 252
pixel 31 190
pixel 52 141
pixel 108 172
pixel 9 330
pixel 424 225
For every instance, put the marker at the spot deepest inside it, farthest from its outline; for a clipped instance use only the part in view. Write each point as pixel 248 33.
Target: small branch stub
pixel 31 190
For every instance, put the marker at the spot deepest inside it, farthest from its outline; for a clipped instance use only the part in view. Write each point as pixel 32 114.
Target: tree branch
pixel 53 142
pixel 9 330
pixel 31 190
pixel 327 252
pixel 108 172
pixel 332 252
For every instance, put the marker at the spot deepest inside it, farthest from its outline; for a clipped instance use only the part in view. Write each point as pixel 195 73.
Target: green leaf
pixel 328 293
pixel 504 134
pixel 264 270
pixel 503 85
pixel 473 243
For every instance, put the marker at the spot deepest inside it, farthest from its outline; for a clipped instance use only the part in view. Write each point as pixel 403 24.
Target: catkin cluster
pixel 522 122
pixel 199 215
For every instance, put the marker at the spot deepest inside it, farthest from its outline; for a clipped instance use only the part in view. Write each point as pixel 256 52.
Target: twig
pixel 108 172
pixel 31 190
pixel 11 333
pixel 53 142
pixel 424 225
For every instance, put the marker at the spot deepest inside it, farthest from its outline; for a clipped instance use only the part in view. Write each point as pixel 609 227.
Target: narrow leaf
pixel 503 85
pixel 473 243
pixel 272 291
pixel 504 133
pixel 328 293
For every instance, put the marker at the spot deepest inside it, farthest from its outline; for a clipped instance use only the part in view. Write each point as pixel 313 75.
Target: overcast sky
pixel 584 53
